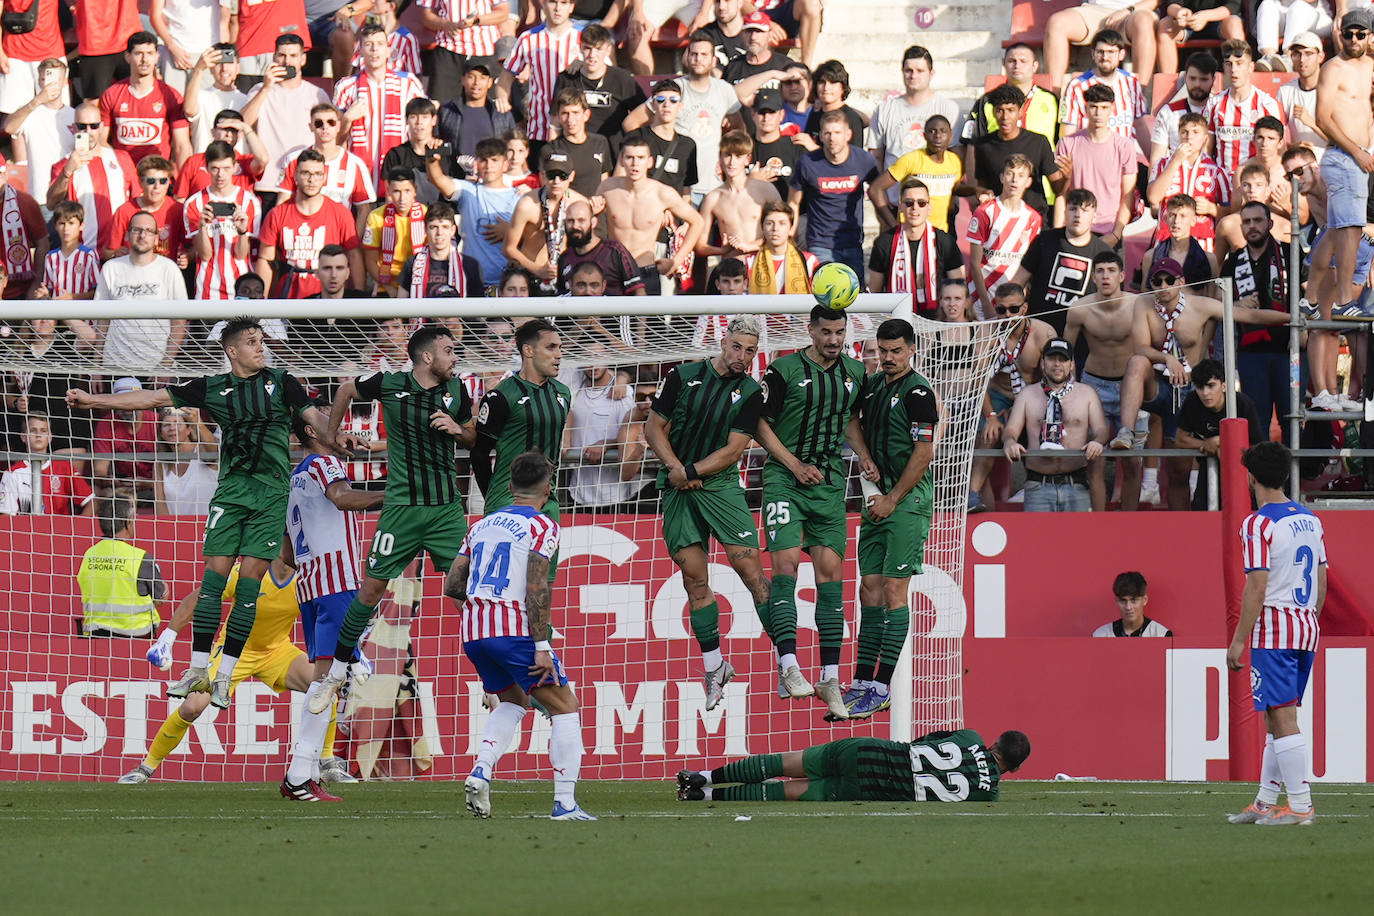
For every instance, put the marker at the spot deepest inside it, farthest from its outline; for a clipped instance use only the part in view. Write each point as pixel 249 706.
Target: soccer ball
pixel 835 286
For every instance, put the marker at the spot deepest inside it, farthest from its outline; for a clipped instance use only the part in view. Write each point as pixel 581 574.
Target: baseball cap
pixel 1168 266
pixel 761 20
pixel 1305 40
pixel 768 100
pixel 487 65
pixel 1058 346
pixel 127 384
pixel 555 160
pixel 1362 18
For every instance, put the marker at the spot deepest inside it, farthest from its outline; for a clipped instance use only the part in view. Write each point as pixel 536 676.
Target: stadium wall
pixel 1036 586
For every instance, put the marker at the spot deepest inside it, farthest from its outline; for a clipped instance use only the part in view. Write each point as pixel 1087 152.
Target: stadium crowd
pixel 499 150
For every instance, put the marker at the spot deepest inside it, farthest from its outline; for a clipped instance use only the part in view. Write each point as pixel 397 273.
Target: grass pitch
pixel 412 848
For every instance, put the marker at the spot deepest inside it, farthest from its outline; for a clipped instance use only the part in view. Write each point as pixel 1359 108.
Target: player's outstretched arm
pixel 456 582
pixel 143 399
pixel 184 612
pixel 343 496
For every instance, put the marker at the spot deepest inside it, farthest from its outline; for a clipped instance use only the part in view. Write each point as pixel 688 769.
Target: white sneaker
pixel 1346 403
pixel 1150 494
pixel 1324 400
pixel 829 692
pixel 796 684
pixel 715 683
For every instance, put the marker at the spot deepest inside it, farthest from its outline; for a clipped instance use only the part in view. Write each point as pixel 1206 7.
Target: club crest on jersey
pixel 894 401
pixel 735 396
pixel 448 401
pixel 849 386
pixel 561 403
pixel 270 387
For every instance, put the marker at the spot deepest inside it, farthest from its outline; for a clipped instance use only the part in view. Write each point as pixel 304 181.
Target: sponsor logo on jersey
pixel 402 394
pixel 523 400
pixel 692 384
pixel 838 184
pixel 226 392
pixel 137 131
pixel 803 383
pixel 484 413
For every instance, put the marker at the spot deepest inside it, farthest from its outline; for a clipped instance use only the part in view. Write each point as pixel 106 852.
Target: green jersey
pixel 518 416
pixel 941 766
pixel 422 462
pixel 895 416
pixel 703 409
pixel 254 417
pixel 808 408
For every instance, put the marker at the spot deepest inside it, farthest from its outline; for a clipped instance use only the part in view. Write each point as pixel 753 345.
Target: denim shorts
pixel 1347 189
pixel 1109 393
pixel 1364 256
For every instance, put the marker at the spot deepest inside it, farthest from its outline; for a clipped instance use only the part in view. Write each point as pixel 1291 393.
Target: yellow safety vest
pixel 109 589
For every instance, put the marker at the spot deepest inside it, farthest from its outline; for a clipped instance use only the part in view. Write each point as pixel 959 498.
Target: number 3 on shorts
pixel 216 513
pixel 775 514
pixel 383 543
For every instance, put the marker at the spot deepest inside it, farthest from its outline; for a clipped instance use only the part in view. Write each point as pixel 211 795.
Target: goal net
pixel 81 706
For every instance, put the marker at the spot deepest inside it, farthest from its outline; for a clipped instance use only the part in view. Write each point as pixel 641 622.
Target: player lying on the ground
pixel 269 655
pixel 940 766
pixel 500 579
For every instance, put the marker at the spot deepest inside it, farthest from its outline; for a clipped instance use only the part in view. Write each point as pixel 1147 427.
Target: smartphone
pixel 443 150
pixel 222 207
pixel 289 72
pixel 228 55
pixel 84 142
pixel 51 75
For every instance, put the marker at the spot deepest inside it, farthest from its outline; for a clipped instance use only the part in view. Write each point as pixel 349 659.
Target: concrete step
pixel 920 23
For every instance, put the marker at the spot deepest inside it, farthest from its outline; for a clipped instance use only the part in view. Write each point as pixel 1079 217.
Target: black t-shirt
pixel 728 48
pixel 992 151
pixel 782 154
pixel 610 99
pixel 947 257
pixel 589 160
pixel 741 69
pixel 856 124
pixel 1196 419
pixel 402 156
pixel 675 160
pixel 591 10
pixel 477 126
pixel 439 279
pixel 1060 273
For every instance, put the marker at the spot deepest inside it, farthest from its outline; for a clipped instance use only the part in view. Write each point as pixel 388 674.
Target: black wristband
pixel 691 471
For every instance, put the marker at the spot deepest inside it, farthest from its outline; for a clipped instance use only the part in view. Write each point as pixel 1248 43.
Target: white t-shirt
pixel 598 416
pixel 1290 95
pixel 48 138
pixel 194 24
pixel 284 123
pixel 898 127
pixel 700 119
pixel 212 102
pixel 138 344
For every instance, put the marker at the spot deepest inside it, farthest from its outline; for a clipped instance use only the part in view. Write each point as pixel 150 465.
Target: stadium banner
pixel 1036 586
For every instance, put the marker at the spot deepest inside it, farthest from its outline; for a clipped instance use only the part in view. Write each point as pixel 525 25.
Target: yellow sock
pixel 168 737
pixel 328 750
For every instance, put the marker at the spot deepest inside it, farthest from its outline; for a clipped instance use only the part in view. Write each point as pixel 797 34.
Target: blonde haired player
pixel 268 655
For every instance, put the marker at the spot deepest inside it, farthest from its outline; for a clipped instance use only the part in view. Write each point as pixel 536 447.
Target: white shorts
pixel 659 12
pixel 20 85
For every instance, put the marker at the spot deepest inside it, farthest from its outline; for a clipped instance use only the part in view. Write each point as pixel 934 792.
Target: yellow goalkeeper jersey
pixel 277 612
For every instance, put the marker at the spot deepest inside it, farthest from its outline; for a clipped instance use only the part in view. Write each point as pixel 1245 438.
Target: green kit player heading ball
pixel 427 414
pixel 810 409
pixel 253 407
pixel 702 419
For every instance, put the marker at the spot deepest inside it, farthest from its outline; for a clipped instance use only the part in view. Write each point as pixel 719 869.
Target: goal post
pixel 89 707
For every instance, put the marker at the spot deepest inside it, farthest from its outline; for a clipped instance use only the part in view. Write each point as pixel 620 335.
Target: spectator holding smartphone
pixel 221 222
pixel 188 28
pixel 42 129
pixel 202 103
pixel 280 108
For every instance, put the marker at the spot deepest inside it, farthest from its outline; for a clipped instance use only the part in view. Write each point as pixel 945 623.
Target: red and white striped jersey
pixel 216 275
pixel 364 420
pixel 1005 235
pixel 1202 180
pixel 71 274
pixel 479 40
pixel 101 187
pixel 546 55
pixel 1127 109
pixel 1232 123
pixel 1165 131
pixel 1285 539
pixel 384 125
pixel 347 180
pixel 405 51
pixel 325 537
pixel 498 549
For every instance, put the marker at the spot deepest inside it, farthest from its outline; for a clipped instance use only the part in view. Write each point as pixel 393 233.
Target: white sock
pixel 1150 478
pixel 880 688
pixel 1291 752
pixel 859 684
pixel 227 663
pixel 500 728
pixel 788 661
pixel 305 754
pixel 706 792
pixel 338 670
pixel 712 659
pixel 830 672
pixel 1271 780
pixel 565 754
pixel 200 660
pixel 705 774
pixel 167 638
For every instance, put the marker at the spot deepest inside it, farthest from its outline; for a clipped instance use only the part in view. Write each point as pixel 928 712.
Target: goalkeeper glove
pixel 160 655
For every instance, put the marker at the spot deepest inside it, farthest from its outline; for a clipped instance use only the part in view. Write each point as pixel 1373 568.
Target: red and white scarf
pixel 14 238
pixel 417 233
pixel 419 273
pixel 1010 362
pixel 1172 347
pixel 921 282
pixel 677 234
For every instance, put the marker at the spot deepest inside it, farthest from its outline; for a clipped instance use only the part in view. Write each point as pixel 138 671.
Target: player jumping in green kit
pixel 899 414
pixel 702 419
pixel 949 766
pixel 525 412
pixel 427 413
pixel 810 409
pixel 253 406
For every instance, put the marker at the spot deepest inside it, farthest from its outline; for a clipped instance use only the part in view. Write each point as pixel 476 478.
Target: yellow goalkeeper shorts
pixel 269 666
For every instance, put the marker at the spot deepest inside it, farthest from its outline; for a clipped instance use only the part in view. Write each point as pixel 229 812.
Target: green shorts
pixel 857 769
pixel 894 546
pixel 806 517
pixel 695 516
pixel 551 509
pixel 403 531
pixel 245 519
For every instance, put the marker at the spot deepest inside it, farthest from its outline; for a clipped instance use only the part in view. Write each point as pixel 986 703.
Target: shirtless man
pixel 1343 114
pixel 1171 330
pixel 1018 368
pixel 1252 184
pixel 1056 414
pixel 1104 318
pixel 538 233
pixel 635 205
pixel 1268 140
pixel 736 207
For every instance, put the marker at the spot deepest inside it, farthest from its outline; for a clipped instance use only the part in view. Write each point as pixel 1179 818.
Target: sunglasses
pixel 322 122
pixel 81 125
pixel 1354 33
pixel 1237 55
pixel 557 175
pixel 667 100
pixel 1008 309
pixel 916 203
pixel 1162 279
pixel 150 181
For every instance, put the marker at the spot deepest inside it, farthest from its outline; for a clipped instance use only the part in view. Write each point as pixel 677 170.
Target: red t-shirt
pixel 298 239
pixel 65 492
pixel 122 437
pixel 171 229
pixel 44 41
pixel 261 21
pixel 104 26
pixel 101 187
pixel 142 126
pixel 194 176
